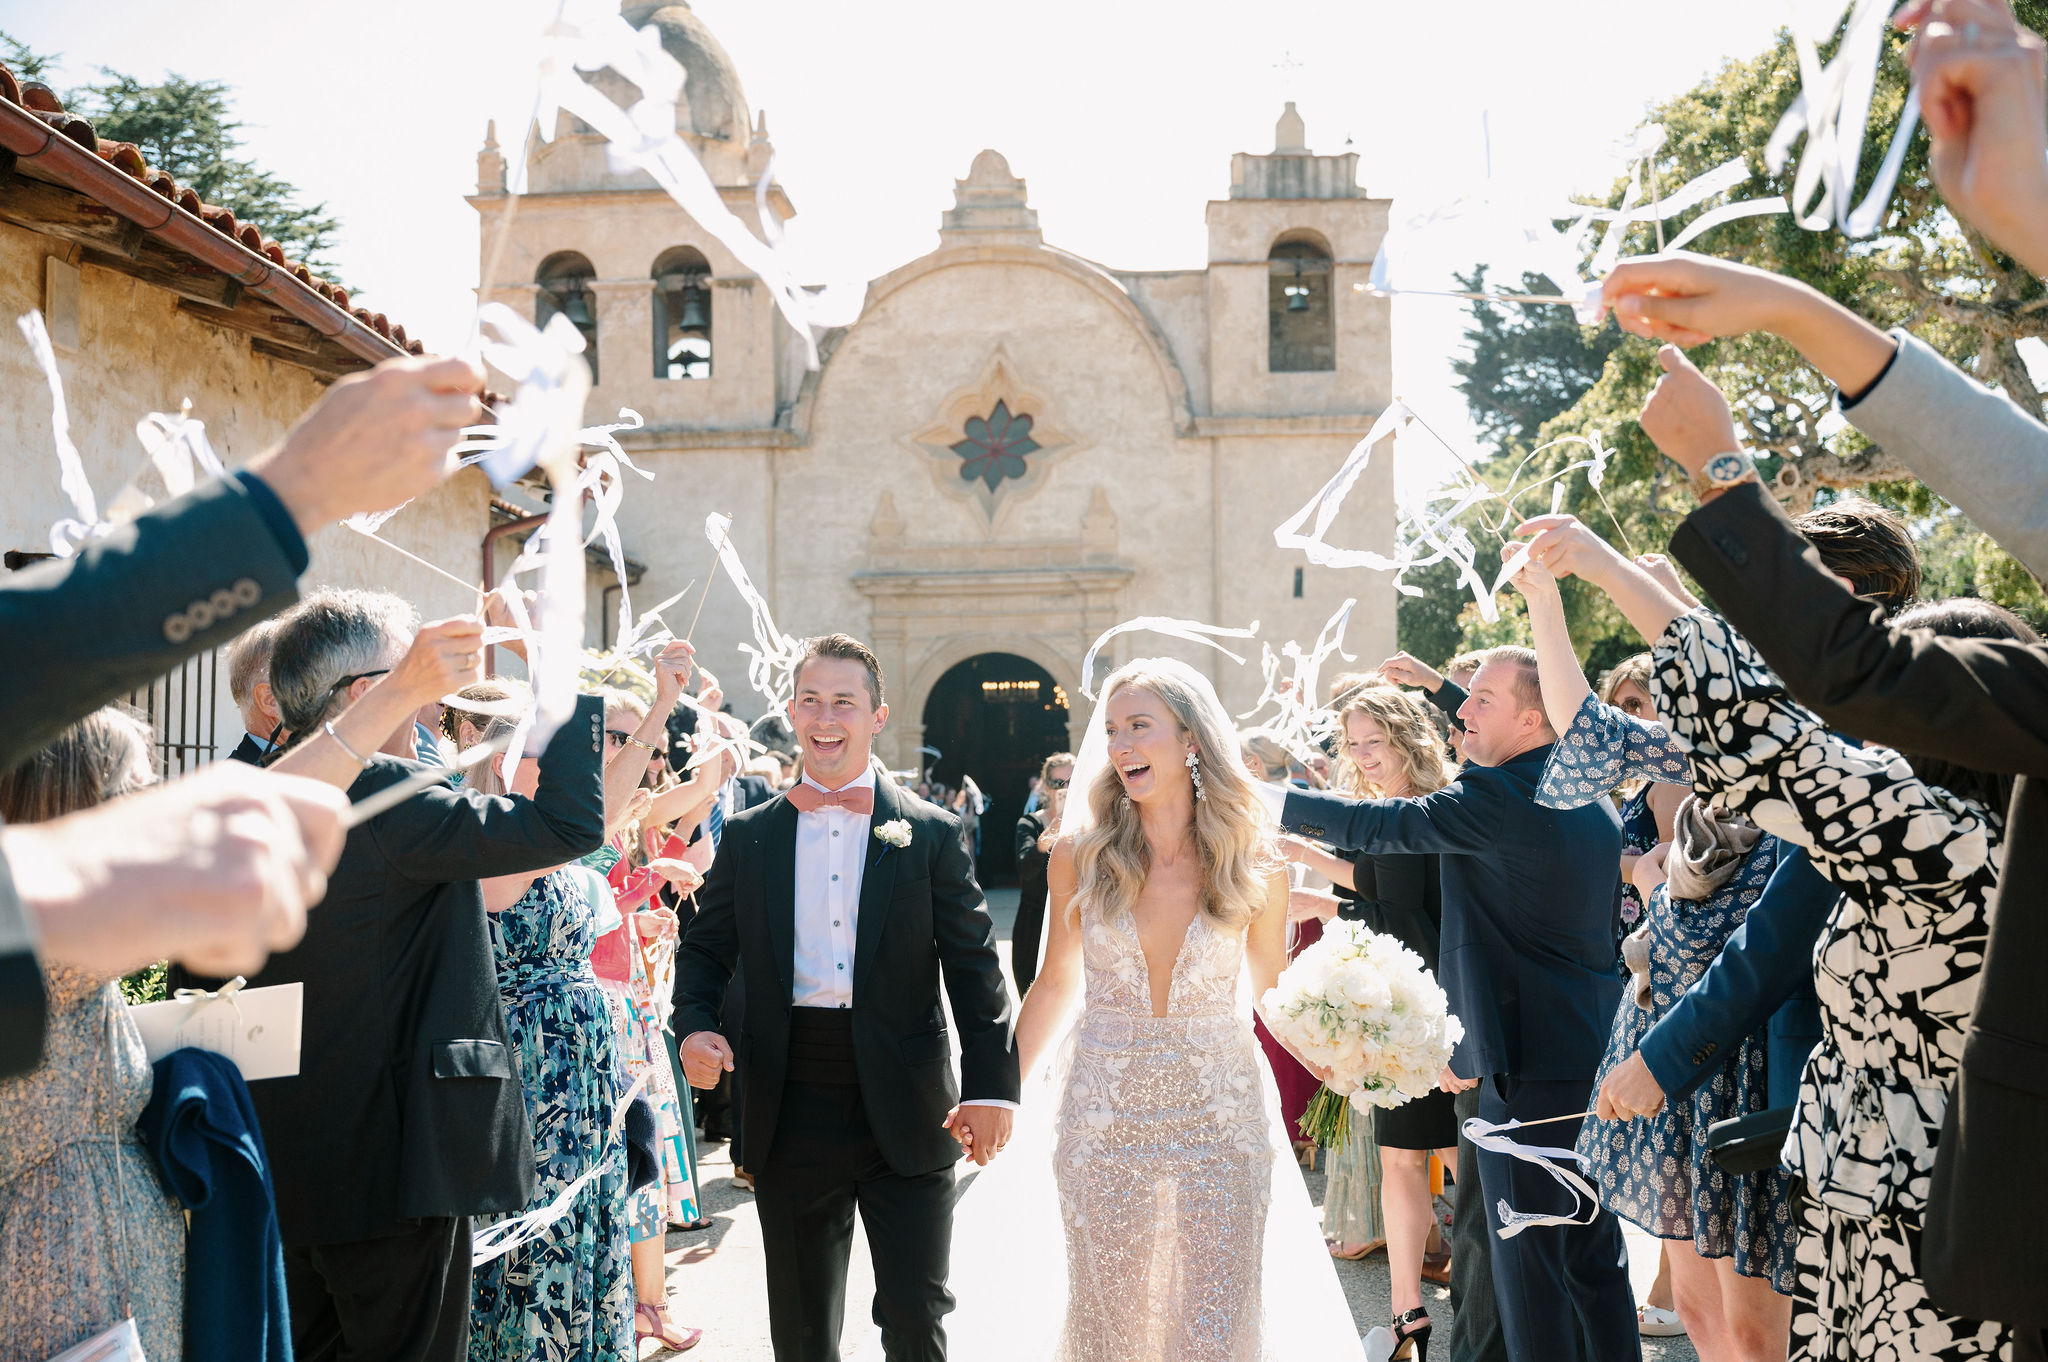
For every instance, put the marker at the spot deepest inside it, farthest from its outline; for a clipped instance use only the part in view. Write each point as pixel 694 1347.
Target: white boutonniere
pixel 896 832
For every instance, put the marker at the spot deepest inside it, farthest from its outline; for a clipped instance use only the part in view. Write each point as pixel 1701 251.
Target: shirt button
pixel 842 964
pixel 835 877
pixel 835 922
pixel 835 832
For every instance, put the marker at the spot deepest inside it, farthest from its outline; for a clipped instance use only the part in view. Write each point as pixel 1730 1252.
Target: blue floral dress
pixel 568 1296
pixel 1654 1171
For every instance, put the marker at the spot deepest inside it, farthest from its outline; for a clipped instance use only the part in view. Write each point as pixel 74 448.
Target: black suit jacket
pixel 407 1101
pixel 249 751
pixel 921 915
pixel 86 630
pixel 1529 901
pixel 1982 704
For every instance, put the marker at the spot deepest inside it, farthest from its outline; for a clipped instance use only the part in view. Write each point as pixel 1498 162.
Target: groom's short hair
pixel 847 648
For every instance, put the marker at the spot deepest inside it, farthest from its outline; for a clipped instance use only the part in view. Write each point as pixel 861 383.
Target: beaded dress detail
pixel 1163 1155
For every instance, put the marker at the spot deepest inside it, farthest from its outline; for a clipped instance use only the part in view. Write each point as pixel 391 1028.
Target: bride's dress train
pixel 1188 1235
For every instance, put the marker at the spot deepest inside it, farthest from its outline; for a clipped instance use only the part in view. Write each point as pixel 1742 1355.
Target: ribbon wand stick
pixel 690 634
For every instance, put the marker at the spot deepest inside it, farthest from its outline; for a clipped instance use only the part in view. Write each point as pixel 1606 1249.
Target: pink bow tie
pixel 809 798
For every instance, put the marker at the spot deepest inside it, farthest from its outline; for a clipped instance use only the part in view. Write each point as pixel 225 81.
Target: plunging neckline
pixel 1137 939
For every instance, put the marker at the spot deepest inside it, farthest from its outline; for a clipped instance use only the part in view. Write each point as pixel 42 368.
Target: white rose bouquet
pixel 1361 1006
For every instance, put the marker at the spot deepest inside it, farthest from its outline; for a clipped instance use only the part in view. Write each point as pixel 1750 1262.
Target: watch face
pixel 1725 468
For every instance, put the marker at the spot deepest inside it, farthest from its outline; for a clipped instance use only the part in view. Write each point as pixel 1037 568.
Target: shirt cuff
pixel 989 1102
pixel 1846 400
pixel 1275 799
pixel 278 519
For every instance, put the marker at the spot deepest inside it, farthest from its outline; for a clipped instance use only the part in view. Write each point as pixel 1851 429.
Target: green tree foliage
pixel 1923 271
pixel 21 60
pixel 188 128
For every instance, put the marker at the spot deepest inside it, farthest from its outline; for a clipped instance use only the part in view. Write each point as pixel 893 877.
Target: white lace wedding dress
pixel 1156 1145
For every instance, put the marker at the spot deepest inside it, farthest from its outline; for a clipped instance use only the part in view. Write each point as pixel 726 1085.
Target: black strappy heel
pixel 1414 1342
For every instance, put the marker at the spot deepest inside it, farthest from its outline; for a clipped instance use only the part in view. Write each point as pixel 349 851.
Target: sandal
pixel 1436 1267
pixel 1654 1321
pixel 650 1322
pixel 1365 1250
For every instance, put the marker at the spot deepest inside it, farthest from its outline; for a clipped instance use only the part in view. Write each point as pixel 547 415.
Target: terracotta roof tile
pixel 44 102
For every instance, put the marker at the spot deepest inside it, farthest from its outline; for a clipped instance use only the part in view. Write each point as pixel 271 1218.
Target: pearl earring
pixel 1195 770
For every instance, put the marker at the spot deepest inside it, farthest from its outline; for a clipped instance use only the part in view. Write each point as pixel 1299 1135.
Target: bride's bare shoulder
pixel 1060 870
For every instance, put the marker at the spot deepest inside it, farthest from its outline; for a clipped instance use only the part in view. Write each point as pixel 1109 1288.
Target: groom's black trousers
pixel 825 1163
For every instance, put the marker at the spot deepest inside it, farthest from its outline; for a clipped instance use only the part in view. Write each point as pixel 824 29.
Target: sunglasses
pixel 620 738
pixel 348 681
pixel 1059 784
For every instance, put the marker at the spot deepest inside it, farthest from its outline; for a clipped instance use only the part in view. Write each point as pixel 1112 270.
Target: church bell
pixel 696 316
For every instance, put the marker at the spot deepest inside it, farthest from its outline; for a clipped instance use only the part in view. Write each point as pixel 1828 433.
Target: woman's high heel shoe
pixel 1412 1328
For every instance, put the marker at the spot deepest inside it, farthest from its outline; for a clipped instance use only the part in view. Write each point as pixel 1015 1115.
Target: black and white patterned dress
pixel 1896 969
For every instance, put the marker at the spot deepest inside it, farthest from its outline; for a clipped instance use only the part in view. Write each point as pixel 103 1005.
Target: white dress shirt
pixel 832 850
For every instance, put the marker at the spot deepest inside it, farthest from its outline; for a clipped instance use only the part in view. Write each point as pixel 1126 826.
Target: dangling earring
pixel 1195 770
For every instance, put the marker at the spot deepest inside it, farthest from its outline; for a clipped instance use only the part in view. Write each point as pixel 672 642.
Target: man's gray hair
pixel 249 661
pixel 334 635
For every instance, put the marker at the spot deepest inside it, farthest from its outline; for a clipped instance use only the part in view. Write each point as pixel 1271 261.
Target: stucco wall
pixel 138 353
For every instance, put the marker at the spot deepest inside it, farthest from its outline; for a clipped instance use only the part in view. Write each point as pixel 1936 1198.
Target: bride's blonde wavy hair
pixel 1232 833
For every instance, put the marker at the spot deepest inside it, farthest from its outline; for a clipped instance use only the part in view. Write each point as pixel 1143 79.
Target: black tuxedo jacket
pixel 921 915
pixel 83 631
pixel 1529 902
pixel 407 1102
pixel 1982 704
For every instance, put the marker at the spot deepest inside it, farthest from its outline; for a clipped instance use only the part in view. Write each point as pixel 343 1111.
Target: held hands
pixel 1982 94
pixel 1630 1090
pixel 1403 670
pixel 981 1130
pixel 705 1056
pixel 1450 1082
pixel 374 440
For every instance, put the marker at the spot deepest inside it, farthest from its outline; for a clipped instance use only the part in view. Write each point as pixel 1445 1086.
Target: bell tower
pixel 1290 333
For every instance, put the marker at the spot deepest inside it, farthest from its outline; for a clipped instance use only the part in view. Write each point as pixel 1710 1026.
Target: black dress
pixel 1401 896
pixel 1029 928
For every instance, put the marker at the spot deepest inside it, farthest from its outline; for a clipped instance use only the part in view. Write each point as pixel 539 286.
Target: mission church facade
pixel 1011 449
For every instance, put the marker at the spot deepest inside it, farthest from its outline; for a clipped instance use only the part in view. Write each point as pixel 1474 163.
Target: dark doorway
pixel 995 717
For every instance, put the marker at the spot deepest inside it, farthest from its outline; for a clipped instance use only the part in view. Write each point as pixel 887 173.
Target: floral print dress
pixel 1654 1171
pixel 1897 972
pixel 568 1296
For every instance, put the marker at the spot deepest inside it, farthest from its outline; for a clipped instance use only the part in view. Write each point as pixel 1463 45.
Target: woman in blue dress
pixel 566 1296
pixel 1728 1238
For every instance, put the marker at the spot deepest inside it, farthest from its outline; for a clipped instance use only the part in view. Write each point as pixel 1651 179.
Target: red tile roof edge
pixel 35 126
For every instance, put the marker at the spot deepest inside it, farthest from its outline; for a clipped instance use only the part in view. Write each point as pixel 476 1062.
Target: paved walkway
pixel 716 1276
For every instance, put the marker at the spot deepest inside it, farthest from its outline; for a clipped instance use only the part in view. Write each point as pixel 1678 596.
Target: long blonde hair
pixel 1411 734
pixel 1232 836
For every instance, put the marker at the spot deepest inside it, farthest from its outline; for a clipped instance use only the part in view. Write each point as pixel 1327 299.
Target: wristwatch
pixel 1722 472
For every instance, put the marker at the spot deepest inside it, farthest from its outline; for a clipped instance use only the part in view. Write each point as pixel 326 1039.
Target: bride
pixel 1184 1214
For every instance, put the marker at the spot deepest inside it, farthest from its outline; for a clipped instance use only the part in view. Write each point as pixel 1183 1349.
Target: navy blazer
pixel 1765 969
pixel 1530 898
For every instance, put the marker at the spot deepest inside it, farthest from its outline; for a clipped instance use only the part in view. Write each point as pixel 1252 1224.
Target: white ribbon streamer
pixel 773 656
pixel 1833 112
pixel 515 1232
pixel 1191 630
pixel 1484 1135
pixel 84 522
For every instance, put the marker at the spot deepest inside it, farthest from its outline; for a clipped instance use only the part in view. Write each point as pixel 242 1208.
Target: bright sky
pixel 1121 114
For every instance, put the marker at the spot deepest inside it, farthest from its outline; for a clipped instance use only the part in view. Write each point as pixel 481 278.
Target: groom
pixel 843 901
